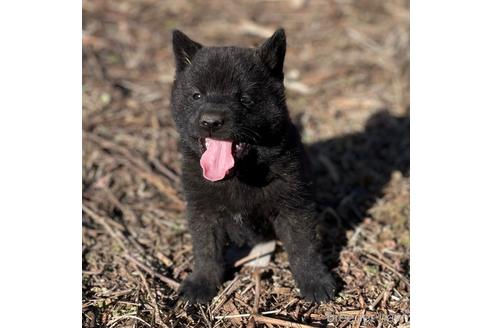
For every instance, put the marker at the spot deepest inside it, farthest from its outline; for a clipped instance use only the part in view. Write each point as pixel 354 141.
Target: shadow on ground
pixel 351 172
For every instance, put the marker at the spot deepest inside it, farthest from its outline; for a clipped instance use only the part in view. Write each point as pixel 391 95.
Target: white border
pixel 451 92
pixel 40 163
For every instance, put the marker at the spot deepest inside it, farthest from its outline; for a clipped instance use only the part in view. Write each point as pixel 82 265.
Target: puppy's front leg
pixel 297 231
pixel 208 238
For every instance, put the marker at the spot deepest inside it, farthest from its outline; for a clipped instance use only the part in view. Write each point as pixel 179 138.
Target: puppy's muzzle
pixel 211 121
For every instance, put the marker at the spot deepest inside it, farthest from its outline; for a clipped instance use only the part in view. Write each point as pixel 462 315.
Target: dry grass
pixel 347 79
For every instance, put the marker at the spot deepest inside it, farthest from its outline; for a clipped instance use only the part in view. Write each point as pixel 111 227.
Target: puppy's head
pixel 227 100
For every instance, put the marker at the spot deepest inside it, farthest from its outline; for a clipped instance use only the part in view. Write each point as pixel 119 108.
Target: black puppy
pixel 245 172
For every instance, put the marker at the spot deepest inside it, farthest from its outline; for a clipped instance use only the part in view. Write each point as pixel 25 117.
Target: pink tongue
pixel 217 160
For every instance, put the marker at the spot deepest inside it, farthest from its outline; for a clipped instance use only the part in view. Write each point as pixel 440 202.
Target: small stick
pixel 232 316
pixel 381 296
pixel 355 313
pixel 245 290
pixel 99 219
pixel 280 322
pixel 170 282
pixel 389 267
pixel 227 291
pixel 250 258
pixel 256 304
pixel 244 315
pixel 118 293
pixel 362 302
pixel 127 316
pixel 359 318
pixel 138 165
pixel 376 301
pixel 345 323
pixel 151 295
pixel 250 27
pixel 166 171
pixel 291 302
pixel 207 320
pixel 387 294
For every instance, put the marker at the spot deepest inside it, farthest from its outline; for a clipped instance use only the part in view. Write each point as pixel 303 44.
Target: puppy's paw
pixel 197 289
pixel 320 288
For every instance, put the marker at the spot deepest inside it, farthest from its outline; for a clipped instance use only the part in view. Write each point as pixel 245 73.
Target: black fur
pixel 269 193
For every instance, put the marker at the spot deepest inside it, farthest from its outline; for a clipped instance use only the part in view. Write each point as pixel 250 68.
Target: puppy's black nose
pixel 211 121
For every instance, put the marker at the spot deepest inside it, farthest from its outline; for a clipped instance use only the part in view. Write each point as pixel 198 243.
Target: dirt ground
pixel 347 79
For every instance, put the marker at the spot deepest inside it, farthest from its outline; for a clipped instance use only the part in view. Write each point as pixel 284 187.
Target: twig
pixel 310 311
pixel 177 270
pixel 95 272
pixel 280 322
pixel 256 304
pixel 128 213
pixel 241 301
pixel 154 122
pixel 298 87
pixel 359 318
pixel 118 293
pixel 152 298
pixel 381 296
pixel 345 323
pixel 99 219
pixel 389 267
pixel 227 291
pixel 232 316
pixel 355 313
pixel 127 316
pixel 250 27
pixel 138 165
pixel 166 171
pixel 250 258
pixel 243 315
pixel 204 315
pixel 376 301
pixel 170 282
pixel 245 290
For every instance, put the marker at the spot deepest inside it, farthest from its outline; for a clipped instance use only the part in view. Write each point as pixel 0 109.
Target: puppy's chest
pixel 248 228
pixel 249 220
pixel 241 202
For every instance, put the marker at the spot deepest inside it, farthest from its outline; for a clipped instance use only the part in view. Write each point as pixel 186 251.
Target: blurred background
pixel 347 82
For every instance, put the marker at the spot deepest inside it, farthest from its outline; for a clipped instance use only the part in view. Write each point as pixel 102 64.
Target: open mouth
pixel 239 149
pixel 219 156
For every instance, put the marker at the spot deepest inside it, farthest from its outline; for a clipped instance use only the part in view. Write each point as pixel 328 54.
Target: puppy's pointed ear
pixel 184 49
pixel 272 52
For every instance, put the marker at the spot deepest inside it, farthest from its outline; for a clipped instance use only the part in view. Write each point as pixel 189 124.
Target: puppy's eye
pixel 247 101
pixel 197 96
